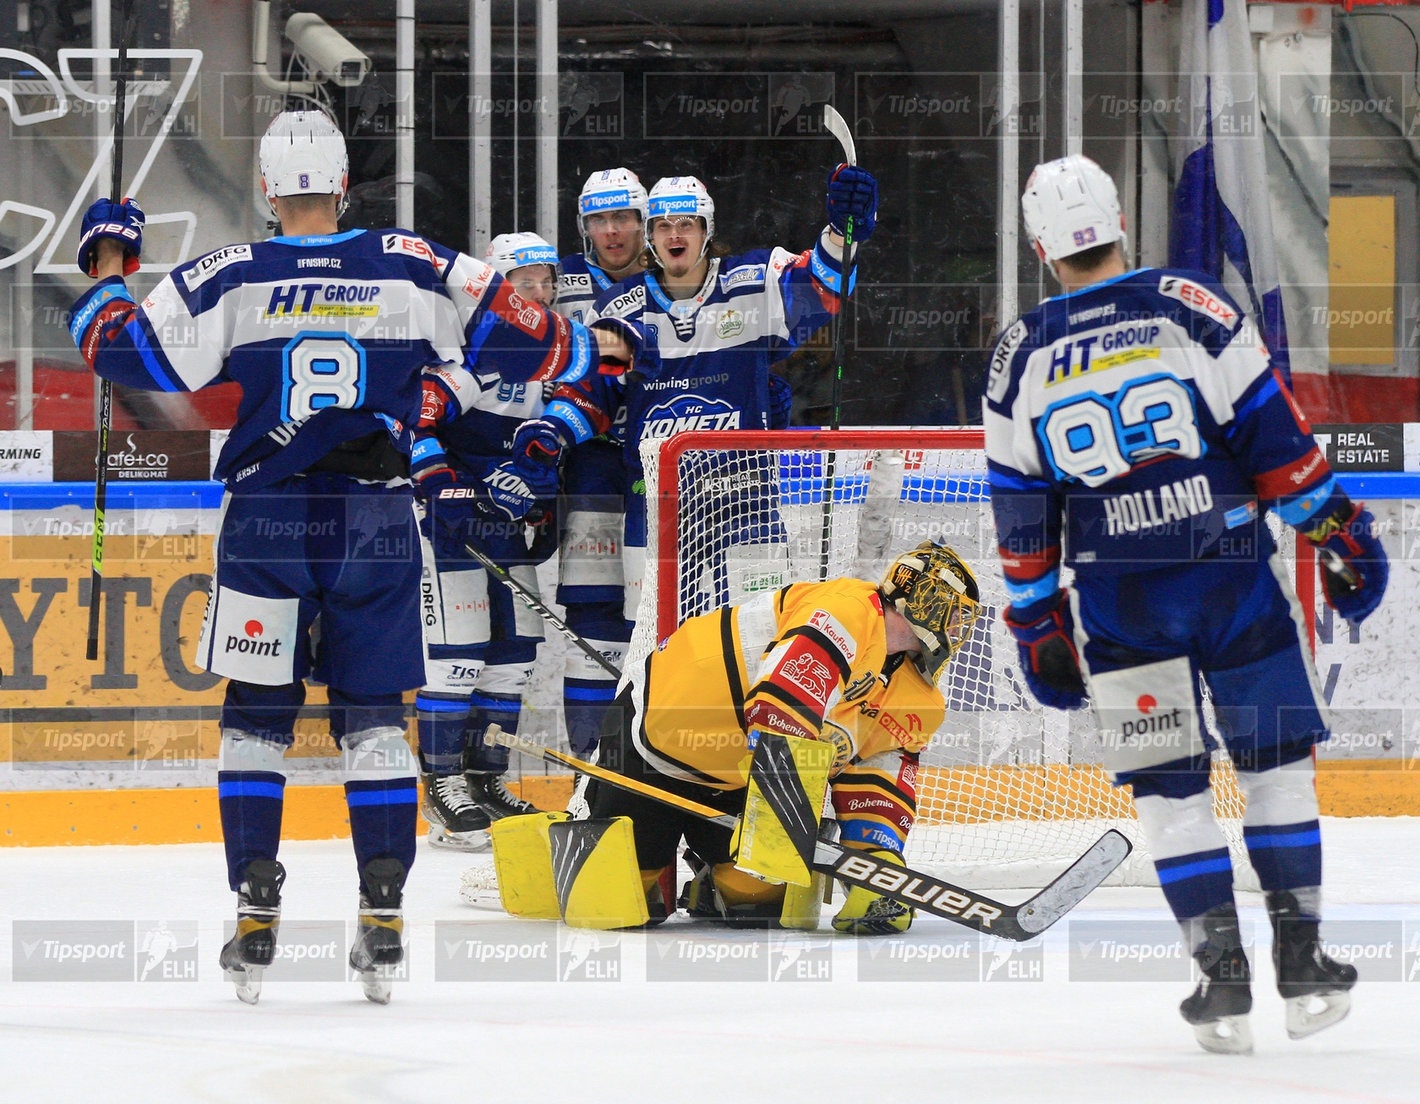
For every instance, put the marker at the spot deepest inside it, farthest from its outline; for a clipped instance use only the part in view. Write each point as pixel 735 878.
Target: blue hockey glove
pixel 1045 635
pixel 540 441
pixel 109 221
pixel 853 191
pixel 781 402
pixel 542 529
pixel 429 466
pixel 1354 565
pixel 510 494
pixel 645 361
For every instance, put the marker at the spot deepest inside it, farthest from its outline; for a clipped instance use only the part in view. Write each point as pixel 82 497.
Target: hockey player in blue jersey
pixel 718 323
pixel 482 642
pixel 1136 431
pixel 611 212
pixel 328 334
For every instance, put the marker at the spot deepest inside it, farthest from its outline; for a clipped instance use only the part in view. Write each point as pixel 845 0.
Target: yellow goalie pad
pixel 598 880
pixel 788 778
pixel 803 904
pixel 522 859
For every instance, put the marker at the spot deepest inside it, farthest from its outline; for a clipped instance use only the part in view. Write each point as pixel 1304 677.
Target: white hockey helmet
pixel 934 589
pixel 1071 205
pixel 611 190
pixel 303 153
pixel 507 252
pixel 672 196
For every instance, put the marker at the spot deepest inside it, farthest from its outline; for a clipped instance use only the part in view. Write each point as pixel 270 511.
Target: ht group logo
pixel 104 950
pixel 467 951
pixel 706 956
pixel 954 955
pixel 1131 950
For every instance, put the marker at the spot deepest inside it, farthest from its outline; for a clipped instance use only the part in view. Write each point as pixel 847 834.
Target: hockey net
pixel 1009 792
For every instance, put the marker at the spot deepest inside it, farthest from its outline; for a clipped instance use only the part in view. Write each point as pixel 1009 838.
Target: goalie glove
pixel 1045 635
pixel 869 913
pixel 109 221
pixel 1354 565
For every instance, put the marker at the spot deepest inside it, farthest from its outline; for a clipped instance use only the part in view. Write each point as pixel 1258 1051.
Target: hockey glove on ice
pixel 1045 634
pixel 781 402
pixel 869 913
pixel 645 363
pixel 109 221
pixel 853 191
pixel 1354 568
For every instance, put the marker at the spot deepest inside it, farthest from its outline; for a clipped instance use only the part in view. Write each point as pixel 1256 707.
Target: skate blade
pixel 377 984
pixel 1309 1014
pixel 1225 1035
pixel 459 841
pixel 248 983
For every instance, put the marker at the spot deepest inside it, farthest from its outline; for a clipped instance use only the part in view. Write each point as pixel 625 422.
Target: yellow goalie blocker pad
pixel 522 859
pixel 788 779
pixel 599 884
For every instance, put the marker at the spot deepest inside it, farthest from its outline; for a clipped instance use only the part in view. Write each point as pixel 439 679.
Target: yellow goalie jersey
pixel 808 660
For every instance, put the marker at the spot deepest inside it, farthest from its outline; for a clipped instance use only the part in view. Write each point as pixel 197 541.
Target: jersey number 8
pixel 321 370
pixel 1094 439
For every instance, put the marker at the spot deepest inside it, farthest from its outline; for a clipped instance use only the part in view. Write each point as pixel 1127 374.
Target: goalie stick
pixel 96 560
pixel 913 888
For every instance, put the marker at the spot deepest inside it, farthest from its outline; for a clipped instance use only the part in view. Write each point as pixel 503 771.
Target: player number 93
pixel 1095 439
pixel 319 371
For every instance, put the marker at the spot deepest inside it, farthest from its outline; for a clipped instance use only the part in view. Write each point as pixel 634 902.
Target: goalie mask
pixel 1070 205
pixel 303 153
pixel 936 592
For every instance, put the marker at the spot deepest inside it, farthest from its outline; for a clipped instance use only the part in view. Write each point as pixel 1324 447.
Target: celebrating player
pixel 1136 421
pixel 845 661
pixel 327 333
pixel 718 323
pixel 482 643
pixel 611 211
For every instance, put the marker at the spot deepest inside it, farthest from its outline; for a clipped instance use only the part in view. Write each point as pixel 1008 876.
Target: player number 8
pixel 319 371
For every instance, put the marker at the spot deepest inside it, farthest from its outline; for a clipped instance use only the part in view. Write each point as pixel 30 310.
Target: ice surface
pixel 668 1015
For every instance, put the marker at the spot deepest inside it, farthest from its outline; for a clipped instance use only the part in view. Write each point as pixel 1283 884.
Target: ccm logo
pixel 915 888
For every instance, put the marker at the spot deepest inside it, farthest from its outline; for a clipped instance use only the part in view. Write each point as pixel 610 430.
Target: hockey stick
pixel 96 563
pixel 838 127
pixel 913 888
pixel 536 604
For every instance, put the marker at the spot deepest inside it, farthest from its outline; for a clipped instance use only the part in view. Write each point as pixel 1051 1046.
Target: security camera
pixel 329 55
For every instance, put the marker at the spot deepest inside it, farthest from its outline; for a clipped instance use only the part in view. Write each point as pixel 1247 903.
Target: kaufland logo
pixel 251 643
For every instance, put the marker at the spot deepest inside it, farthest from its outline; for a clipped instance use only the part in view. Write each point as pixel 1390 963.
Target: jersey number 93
pixel 1093 438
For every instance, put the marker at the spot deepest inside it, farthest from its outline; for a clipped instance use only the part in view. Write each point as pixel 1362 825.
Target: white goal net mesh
pixel 1010 793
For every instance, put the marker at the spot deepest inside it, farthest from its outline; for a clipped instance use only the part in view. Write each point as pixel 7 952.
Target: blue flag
pixel 1222 223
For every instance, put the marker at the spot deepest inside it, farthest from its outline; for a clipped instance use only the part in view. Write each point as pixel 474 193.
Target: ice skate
pixel 379 935
pixel 252 947
pixel 455 821
pixel 1218 1008
pixel 487 791
pixel 1315 987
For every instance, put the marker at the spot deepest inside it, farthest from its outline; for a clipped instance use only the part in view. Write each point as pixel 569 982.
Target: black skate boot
pixel 1315 987
pixel 486 790
pixel 379 934
pixel 252 947
pixel 455 821
pixel 1218 1008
